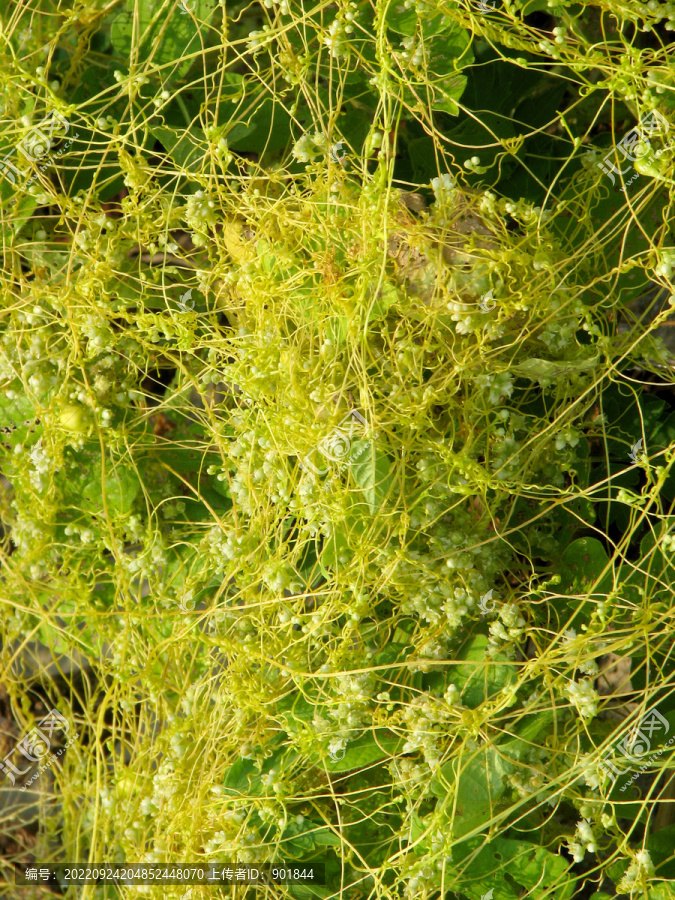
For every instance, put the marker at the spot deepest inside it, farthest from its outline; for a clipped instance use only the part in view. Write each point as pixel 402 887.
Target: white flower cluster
pixel 222 849
pixel 99 334
pixel 641 868
pixel 257 40
pixel 279 575
pixel 589 666
pixel 306 149
pixel 166 787
pixel 38 360
pixel 41 464
pixel 427 602
pixel 666 262
pixel 569 437
pixel 261 475
pixel 28 535
pixel 505 630
pixel 408 44
pixel 411 776
pixel 526 785
pixel 428 718
pixel 350 711
pixel 504 457
pixel 498 385
pixel 221 547
pixel 468 319
pixel 336 40
pixel 583 696
pixel 442 187
pixel 283 5
pixel 567 317
pixel 586 841
pixel 86 535
pixel 200 212
pixel 149 563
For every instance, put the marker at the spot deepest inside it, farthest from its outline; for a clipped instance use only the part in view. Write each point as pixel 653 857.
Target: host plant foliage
pixel 322 443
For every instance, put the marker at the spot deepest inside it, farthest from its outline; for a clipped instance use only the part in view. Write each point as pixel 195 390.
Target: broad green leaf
pixel 480 133
pixel 661 890
pixel 263 122
pixel 370 748
pixel 387 296
pixel 511 869
pixel 308 891
pixel 597 207
pixel 545 370
pixel 187 148
pixel 405 21
pixel 582 563
pixel 296 708
pixel 240 778
pixel 372 471
pixel 527 731
pixel 661 846
pixel 483 678
pixel 474 783
pixel 121 486
pixel 161 33
pixel 335 553
pixel 25 207
pixel 15 412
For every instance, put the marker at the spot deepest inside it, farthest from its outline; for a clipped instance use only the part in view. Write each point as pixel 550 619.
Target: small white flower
pixel 442 186
pixel 584 697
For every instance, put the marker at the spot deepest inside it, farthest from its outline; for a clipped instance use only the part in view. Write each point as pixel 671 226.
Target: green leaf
pixel 582 563
pixel 371 469
pixel 527 732
pixel 370 748
pixel 308 891
pixel 239 778
pixel 404 21
pixel 511 869
pixel 14 413
pixel 156 36
pixel 264 123
pixel 187 148
pixel 661 890
pixel 661 846
pixel 473 785
pixel 482 680
pixel 479 133
pixel 121 486
pixel 546 370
